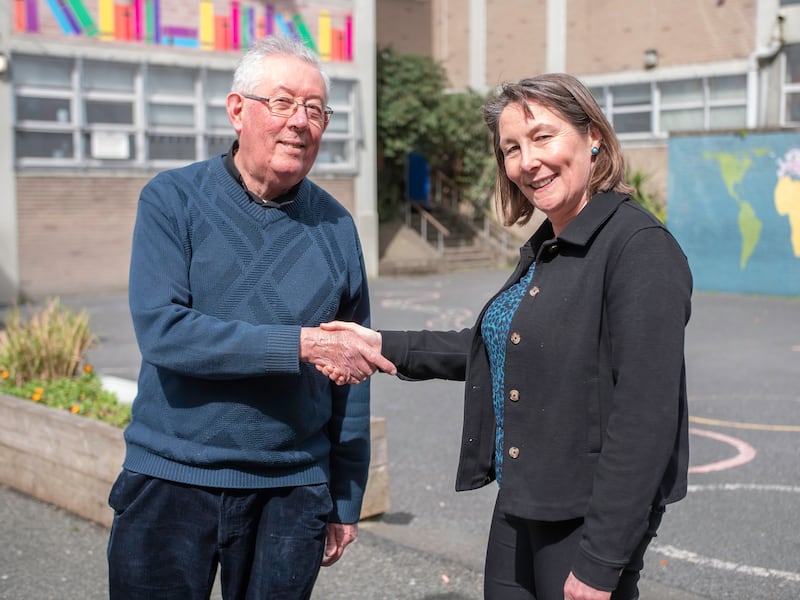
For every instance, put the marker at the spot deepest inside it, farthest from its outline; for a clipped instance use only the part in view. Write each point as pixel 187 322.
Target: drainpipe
pixel 755 103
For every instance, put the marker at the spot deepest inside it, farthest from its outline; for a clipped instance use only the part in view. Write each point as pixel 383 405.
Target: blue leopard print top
pixel 495 327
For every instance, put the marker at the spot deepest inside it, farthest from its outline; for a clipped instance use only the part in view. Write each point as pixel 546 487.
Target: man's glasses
pixel 283 106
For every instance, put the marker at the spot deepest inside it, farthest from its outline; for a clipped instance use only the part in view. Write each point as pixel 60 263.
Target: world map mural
pixel 734 205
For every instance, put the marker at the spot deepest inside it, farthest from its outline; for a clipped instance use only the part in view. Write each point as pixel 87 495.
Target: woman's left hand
pixel 575 589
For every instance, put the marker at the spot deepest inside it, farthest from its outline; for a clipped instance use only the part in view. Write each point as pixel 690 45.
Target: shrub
pixel 51 344
pixel 637 179
pixel 82 395
pixel 43 359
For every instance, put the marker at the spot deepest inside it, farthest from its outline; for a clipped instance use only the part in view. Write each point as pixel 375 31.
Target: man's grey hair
pixel 250 70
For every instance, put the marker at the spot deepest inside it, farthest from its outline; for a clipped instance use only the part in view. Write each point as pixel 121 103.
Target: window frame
pixel 203 97
pixel 656 105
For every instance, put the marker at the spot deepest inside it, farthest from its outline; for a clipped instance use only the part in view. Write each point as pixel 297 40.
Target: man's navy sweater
pixel 219 289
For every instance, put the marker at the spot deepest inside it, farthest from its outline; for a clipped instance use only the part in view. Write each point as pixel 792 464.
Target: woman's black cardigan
pixel 595 384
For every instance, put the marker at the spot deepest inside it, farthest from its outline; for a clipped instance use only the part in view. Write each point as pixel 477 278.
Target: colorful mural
pixel 206 25
pixel 734 206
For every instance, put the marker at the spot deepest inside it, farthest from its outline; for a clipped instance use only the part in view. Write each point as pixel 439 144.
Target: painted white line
pixel 745 452
pixel 724 565
pixel 747 487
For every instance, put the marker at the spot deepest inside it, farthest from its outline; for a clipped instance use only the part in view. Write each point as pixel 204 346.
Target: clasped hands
pixel 347 353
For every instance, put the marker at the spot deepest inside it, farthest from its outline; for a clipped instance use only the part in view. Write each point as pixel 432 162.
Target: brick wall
pixel 405 25
pixel 613 35
pixel 515 40
pixel 75 231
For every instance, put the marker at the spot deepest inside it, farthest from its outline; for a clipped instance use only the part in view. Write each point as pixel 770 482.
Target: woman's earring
pixel 595 151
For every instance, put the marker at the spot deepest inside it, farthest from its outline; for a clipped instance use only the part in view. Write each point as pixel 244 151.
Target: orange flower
pixel 87 368
pixel 36 397
pixel 5 374
pixel 39 391
pixel 75 408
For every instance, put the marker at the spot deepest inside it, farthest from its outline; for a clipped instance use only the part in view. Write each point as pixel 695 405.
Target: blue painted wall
pixel 733 203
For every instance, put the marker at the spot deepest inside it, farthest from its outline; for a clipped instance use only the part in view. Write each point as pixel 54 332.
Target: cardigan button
pixel 553 249
pixel 534 291
pixel 516 338
pixel 513 395
pixel 513 452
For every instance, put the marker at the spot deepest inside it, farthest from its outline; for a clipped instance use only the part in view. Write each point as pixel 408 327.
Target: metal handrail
pixel 426 218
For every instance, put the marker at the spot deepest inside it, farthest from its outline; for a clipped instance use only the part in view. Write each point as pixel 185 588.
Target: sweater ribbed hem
pixel 138 459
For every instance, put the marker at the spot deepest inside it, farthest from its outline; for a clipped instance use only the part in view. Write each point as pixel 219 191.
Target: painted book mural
pixel 211 25
pixel 734 206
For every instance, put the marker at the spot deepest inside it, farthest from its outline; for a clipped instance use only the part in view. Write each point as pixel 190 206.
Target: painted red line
pixel 745 451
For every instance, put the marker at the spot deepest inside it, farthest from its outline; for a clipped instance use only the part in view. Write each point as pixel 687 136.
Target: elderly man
pixel 240 453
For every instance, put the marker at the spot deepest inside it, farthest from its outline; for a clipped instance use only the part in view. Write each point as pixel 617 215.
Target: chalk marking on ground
pixel 723 565
pixel 745 452
pixel 740 425
pixel 747 487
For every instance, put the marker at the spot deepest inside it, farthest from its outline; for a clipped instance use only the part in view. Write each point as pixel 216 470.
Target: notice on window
pixel 110 145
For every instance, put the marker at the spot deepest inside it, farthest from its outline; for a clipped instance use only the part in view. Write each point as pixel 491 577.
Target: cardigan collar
pixel 580 229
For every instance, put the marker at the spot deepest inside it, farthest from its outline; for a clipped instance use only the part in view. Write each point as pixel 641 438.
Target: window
pixel 44 107
pixel 80 112
pixel 791 86
pixel 630 107
pixel 108 92
pixel 646 110
pixel 337 151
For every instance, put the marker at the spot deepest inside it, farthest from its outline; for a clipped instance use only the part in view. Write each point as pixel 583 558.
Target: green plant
pixel 415 113
pixel 49 345
pixel 41 358
pixel 82 395
pixel 637 180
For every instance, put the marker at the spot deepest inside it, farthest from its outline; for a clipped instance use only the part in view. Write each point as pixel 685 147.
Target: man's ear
pixel 234 104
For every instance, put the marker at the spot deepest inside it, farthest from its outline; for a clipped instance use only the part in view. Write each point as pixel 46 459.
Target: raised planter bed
pixel 72 461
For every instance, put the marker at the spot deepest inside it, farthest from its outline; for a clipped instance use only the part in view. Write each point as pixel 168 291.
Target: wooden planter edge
pixel 72 461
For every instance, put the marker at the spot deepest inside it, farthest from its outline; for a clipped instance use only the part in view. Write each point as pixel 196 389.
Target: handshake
pixel 347 353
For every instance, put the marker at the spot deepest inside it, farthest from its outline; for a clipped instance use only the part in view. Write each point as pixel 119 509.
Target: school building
pixel 98 95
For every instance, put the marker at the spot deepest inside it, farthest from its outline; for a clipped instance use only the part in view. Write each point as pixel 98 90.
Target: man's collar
pixel 230 166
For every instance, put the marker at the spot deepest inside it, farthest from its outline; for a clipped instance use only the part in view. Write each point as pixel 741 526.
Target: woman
pixel 575 396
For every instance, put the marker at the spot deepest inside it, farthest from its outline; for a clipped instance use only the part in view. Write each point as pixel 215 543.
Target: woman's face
pixel 548 160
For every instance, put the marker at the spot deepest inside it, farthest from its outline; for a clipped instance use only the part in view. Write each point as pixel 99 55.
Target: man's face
pixel 276 152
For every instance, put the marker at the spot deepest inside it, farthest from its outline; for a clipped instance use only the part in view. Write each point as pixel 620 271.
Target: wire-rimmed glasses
pixel 284 106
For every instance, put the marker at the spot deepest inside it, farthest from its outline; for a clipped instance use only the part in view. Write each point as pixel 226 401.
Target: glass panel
pixel 332 152
pixel 599 94
pixel 339 123
pixel 110 145
pixel 733 87
pixel 682 120
pixel 171 81
pixel 170 147
pixel 340 92
pixel 120 113
pixel 728 117
pixel 793 63
pixel 34 144
pixel 108 76
pixel 179 115
pixel 46 72
pixel 218 84
pixel 685 90
pixel 793 108
pixel 626 95
pixel 632 122
pixel 218 144
pixel 217 117
pixel 43 109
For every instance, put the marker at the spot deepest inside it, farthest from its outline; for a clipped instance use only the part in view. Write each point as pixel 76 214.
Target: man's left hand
pixel 339 536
